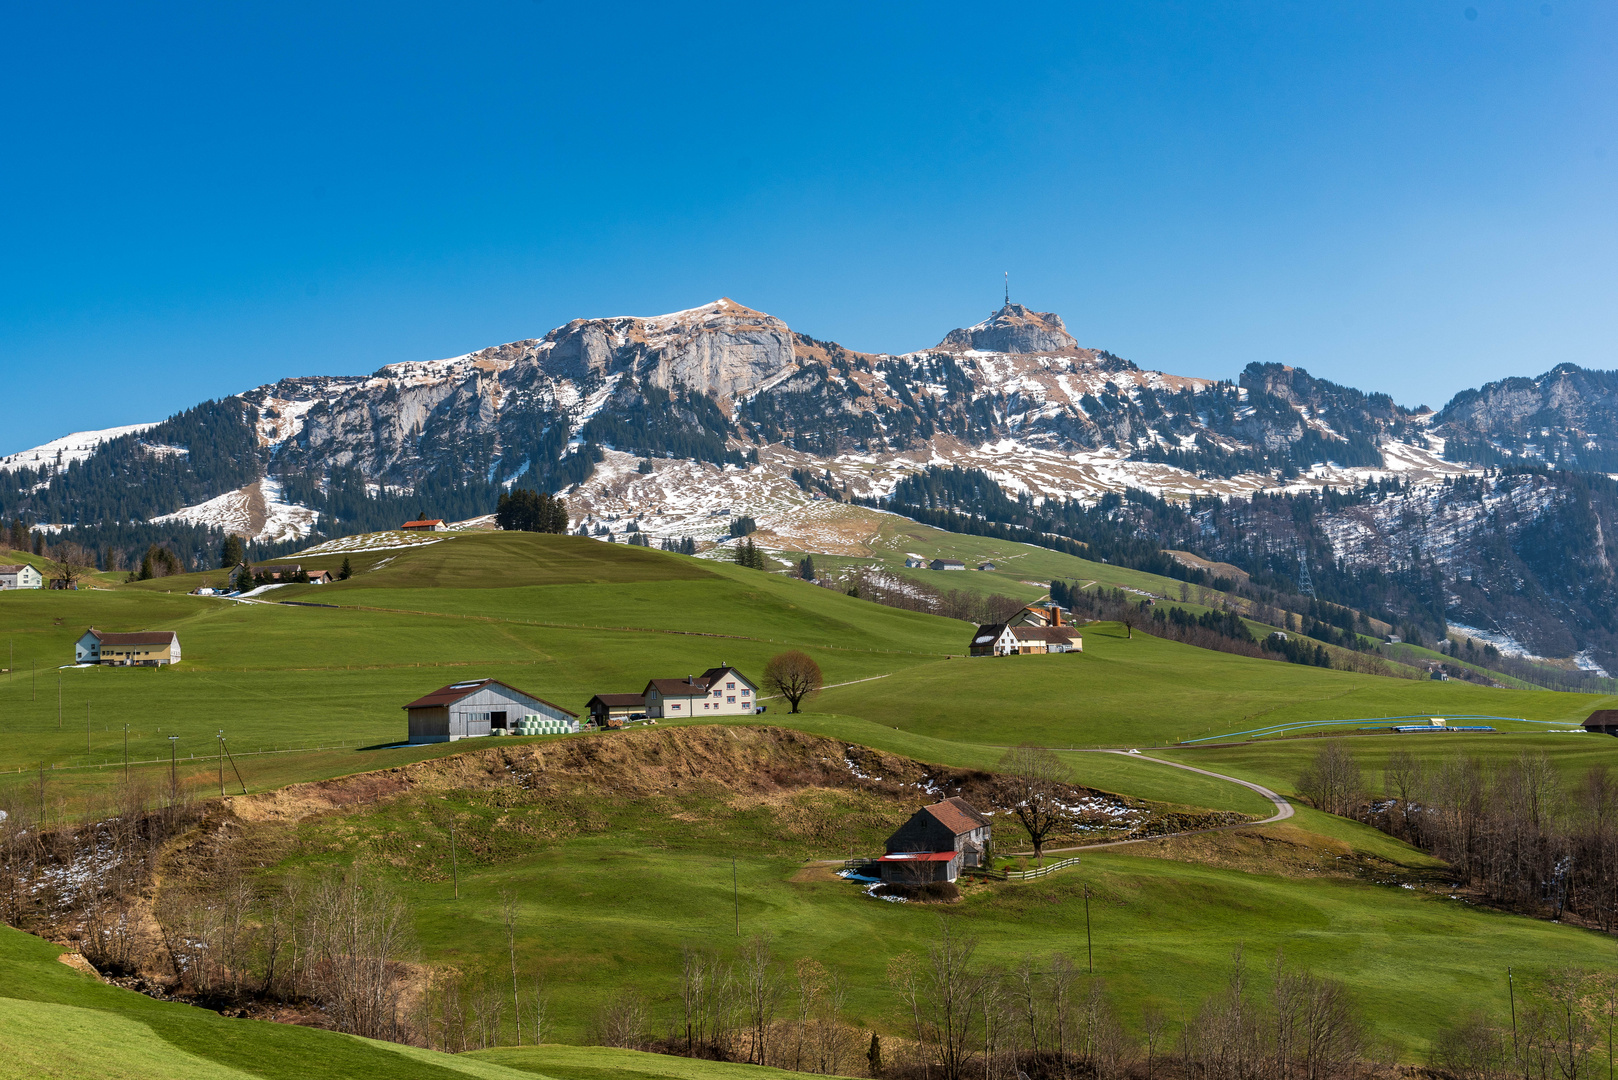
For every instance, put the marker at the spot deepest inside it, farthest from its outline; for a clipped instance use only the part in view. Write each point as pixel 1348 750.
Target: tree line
pixel 1516 831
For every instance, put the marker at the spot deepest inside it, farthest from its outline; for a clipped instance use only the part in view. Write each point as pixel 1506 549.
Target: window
pixel 731 699
pixel 676 708
pixel 730 686
pixel 745 691
pixel 716 693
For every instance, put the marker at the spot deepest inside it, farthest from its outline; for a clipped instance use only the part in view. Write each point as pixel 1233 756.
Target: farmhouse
pixel 722 690
pixel 915 562
pixel 21 576
pixel 946 564
pixel 1006 639
pixel 425 525
pixel 936 844
pixel 478 707
pixel 611 710
pixel 145 648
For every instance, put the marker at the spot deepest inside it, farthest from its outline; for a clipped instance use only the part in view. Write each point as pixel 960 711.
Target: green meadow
pixel 310 693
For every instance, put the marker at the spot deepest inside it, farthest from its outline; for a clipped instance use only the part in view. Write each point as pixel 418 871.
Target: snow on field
pixel 257 511
pixel 75 447
pixel 382 541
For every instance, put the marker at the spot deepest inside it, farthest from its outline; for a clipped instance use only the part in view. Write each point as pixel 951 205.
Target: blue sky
pixel 1405 196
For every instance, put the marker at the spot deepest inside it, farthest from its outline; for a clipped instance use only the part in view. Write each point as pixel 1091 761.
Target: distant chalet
pixel 21 576
pixel 425 525
pixel 144 648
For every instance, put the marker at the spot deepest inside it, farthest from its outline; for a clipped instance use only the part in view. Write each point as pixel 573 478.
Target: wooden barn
pixel 1604 721
pixel 936 844
pixel 478 707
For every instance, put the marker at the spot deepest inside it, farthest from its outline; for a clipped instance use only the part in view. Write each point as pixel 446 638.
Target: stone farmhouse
pixel 480 707
pixel 21 576
pixel 936 844
pixel 144 648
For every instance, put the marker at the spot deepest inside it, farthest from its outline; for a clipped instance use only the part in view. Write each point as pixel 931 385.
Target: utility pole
pixel 1089 947
pixel 454 870
pixel 736 895
pixel 221 738
pixel 1511 991
pixel 1306 586
pixel 126 753
pixel 174 774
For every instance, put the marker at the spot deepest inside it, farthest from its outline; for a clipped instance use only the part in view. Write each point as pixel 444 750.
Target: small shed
pixel 1604 721
pixel 425 525
pixel 479 707
pixel 611 710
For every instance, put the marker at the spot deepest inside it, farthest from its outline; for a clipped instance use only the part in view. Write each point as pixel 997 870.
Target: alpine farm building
pixel 478 707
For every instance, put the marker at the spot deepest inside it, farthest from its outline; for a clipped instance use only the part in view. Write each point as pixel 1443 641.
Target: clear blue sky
pixel 1409 196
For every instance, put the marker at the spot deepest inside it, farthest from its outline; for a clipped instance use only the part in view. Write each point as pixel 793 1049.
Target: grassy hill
pixel 611 885
pixel 56 1021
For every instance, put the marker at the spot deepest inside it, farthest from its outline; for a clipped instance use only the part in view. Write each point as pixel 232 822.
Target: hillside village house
pixel 936 844
pixel 946 564
pixel 21 576
pixel 611 710
pixel 722 690
pixel 1004 639
pixel 479 707
pixel 144 648
pixel 425 525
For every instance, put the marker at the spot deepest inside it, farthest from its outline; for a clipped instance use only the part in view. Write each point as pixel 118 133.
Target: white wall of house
pixel 23 577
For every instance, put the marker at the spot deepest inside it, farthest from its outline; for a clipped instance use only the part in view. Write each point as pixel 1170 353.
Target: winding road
pixel 1283 808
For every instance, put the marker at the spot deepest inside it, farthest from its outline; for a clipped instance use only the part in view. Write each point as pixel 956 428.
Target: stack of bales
pixel 545 725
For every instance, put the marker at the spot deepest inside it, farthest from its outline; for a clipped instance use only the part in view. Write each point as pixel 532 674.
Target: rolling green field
pixel 608 906
pixel 605 908
pixel 58 1022
pixel 1146 691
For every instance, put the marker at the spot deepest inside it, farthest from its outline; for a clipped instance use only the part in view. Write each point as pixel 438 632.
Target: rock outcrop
pixel 1013 329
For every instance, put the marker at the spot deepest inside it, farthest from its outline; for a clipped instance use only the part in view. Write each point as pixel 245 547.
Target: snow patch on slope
pixel 74 447
pixel 257 511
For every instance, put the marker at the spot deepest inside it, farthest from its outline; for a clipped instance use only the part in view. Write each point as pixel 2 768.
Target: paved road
pixel 1283 809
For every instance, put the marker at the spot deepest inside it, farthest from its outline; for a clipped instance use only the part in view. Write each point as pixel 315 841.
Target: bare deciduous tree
pixel 1333 782
pixel 1036 777
pixel 793 675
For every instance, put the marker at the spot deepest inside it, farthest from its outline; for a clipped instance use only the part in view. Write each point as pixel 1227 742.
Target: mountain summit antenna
pixel 1008 288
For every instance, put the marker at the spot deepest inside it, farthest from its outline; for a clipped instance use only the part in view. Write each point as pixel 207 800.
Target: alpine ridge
pixel 1498 507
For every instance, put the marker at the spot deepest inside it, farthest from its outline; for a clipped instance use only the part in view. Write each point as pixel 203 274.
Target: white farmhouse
pixel 21 576
pixel 721 691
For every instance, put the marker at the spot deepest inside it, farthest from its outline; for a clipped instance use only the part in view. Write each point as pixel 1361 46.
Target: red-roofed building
pixel 425 525
pixel 936 843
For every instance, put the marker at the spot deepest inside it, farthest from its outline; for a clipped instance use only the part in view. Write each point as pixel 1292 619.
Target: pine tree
pixel 806 568
pixel 346 571
pixel 231 552
pixel 688 546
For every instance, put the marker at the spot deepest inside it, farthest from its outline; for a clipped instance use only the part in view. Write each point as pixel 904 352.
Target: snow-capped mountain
pixel 680 420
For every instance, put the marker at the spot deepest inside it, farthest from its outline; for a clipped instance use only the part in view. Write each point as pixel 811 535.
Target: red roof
pixel 425 521
pixel 919 856
pixel 449 695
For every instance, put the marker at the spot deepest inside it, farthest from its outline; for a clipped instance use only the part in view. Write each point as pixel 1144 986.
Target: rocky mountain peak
pixel 1013 329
